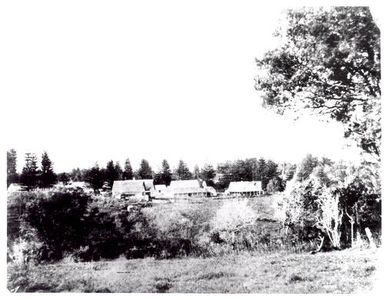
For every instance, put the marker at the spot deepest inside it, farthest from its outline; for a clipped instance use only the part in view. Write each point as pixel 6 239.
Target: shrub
pixel 60 219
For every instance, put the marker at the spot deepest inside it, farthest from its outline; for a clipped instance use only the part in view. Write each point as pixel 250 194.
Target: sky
pixel 91 81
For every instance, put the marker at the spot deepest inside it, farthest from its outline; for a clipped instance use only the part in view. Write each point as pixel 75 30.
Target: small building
pixel 139 189
pixel 189 188
pixel 245 188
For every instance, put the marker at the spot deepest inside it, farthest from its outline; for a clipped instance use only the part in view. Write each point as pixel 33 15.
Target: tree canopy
pixel 47 176
pixel 145 171
pixel 182 172
pixel 328 64
pixel 12 175
pixel 29 174
pixel 128 173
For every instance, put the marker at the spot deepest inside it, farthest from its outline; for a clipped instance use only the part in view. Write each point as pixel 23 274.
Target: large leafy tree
pixel 328 64
pixel 47 175
pixel 12 175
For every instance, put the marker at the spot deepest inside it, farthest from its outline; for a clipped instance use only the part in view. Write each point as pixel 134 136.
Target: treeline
pixel 32 175
pixel 272 176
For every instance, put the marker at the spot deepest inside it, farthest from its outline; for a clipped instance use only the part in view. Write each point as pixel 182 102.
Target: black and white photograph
pixel 194 147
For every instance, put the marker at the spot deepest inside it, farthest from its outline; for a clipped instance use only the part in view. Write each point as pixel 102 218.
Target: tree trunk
pixel 370 238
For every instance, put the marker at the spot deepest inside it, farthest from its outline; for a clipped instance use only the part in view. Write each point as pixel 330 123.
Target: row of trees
pixel 240 170
pixel 31 176
pixel 220 177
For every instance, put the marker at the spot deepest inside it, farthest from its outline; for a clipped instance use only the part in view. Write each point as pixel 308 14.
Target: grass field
pixel 333 272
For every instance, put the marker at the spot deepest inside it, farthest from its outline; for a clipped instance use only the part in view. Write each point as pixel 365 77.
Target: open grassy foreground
pixel 333 272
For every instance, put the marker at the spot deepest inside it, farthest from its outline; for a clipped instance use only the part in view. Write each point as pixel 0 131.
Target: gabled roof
pixel 187 186
pixel 160 187
pixel 185 183
pixel 132 186
pixel 244 186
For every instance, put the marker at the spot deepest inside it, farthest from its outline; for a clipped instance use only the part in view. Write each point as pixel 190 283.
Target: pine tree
pixel 208 174
pixel 183 172
pixel 110 173
pixel 29 175
pixel 196 172
pixel 119 171
pixel 127 173
pixel 47 176
pixel 166 173
pixel 12 176
pixel 94 177
pixel 145 171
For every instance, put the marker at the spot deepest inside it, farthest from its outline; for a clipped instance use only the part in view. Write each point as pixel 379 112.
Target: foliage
pixel 47 176
pixel 275 184
pixel 113 172
pixel 306 167
pixel 330 198
pixel 145 171
pixel 29 175
pixel 247 170
pixel 128 174
pixel 84 227
pixel 182 172
pixel 234 214
pixel 12 176
pixel 94 177
pixel 77 175
pixel 328 64
pixel 165 175
pixel 208 174
pixel 196 173
pixel 59 219
pixel 64 177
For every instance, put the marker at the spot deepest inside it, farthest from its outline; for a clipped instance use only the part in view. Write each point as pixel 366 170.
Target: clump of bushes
pixel 54 225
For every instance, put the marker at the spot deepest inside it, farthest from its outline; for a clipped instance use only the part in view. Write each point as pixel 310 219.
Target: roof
pixel 132 186
pixel 187 186
pixel 244 186
pixel 186 183
pixel 160 187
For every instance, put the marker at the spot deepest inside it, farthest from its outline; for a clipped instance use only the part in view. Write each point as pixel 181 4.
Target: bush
pixel 70 224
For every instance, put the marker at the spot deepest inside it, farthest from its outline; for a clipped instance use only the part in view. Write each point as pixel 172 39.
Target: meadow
pixel 68 242
pixel 344 271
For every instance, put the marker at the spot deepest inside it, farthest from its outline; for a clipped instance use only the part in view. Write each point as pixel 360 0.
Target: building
pixel 245 188
pixel 139 189
pixel 161 192
pixel 189 188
